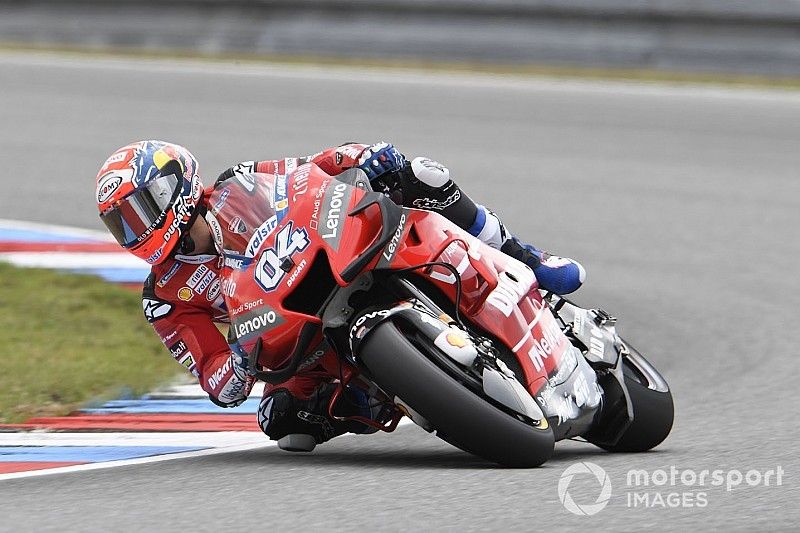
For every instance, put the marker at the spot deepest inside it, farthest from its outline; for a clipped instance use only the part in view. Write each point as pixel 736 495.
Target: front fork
pixel 593 332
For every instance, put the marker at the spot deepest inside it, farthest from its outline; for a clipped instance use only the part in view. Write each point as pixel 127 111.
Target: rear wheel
pixel 459 415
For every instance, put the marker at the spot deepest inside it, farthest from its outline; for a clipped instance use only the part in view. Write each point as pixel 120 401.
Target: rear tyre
pixel 459 416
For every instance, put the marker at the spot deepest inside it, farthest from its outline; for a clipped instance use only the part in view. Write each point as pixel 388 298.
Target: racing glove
pixel 239 385
pixel 380 159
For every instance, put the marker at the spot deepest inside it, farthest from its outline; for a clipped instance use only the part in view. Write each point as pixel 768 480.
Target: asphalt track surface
pixel 682 203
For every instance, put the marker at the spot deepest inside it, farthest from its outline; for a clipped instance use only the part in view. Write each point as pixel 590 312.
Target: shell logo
pixel 454 339
pixel 185 294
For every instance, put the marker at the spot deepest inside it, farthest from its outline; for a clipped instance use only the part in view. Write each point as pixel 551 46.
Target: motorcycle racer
pixel 151 199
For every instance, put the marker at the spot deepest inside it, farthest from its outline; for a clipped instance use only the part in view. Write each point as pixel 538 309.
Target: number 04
pixel 287 242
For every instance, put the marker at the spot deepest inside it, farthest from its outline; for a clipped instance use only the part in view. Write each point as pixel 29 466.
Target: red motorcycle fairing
pixel 273 228
pixel 498 292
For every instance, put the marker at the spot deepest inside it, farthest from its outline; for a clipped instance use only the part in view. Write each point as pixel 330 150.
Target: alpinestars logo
pixel 432 204
pixel 155 309
pixel 243 172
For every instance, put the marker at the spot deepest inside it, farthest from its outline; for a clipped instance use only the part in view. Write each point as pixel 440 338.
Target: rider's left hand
pixel 379 159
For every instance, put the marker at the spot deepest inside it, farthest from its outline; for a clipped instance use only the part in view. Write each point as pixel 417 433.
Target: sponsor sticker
pixel 256 322
pixel 213 290
pixel 116 158
pixel 349 150
pixel 300 181
pixel 260 235
pixel 237 225
pixel 185 294
pixel 156 256
pixel 178 349
pixel 236 262
pixel 196 276
pixel 281 203
pixel 197 259
pixel 205 282
pixel 247 306
pixel 220 203
pixel 216 229
pixel 455 340
pixel 391 247
pixel 512 285
pixel 189 363
pixel 335 203
pixel 107 186
pixel 169 275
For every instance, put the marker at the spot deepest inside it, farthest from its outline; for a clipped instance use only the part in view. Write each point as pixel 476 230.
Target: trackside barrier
pixel 716 36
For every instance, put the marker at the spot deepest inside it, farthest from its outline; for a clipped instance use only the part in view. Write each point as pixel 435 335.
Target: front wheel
pixel 653 410
pixel 460 416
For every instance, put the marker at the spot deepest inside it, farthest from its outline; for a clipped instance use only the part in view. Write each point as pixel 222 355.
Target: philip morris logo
pixel 604 489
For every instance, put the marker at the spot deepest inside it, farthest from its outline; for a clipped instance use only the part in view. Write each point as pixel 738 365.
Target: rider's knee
pixel 273 411
pixel 281 413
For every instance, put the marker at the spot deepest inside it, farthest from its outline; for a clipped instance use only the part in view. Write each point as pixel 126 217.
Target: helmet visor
pixel 142 211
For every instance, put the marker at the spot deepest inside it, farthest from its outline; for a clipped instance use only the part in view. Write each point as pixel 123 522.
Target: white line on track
pixel 71 231
pixel 194 391
pixel 199 439
pixel 262 443
pixel 142 460
pixel 73 260
pixel 395 76
pixel 119 259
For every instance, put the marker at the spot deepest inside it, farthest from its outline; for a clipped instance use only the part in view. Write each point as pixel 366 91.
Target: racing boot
pixel 559 275
pixel 300 424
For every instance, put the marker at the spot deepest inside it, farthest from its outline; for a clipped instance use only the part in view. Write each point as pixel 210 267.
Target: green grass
pixel 68 340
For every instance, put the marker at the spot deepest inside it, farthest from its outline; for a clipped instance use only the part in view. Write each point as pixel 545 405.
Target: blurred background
pixel 701 36
pixel 656 141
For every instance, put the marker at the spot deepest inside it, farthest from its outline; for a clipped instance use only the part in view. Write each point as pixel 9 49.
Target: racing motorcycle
pixel 426 319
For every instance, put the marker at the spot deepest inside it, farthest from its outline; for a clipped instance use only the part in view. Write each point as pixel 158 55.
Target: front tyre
pixel 459 416
pixel 653 409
